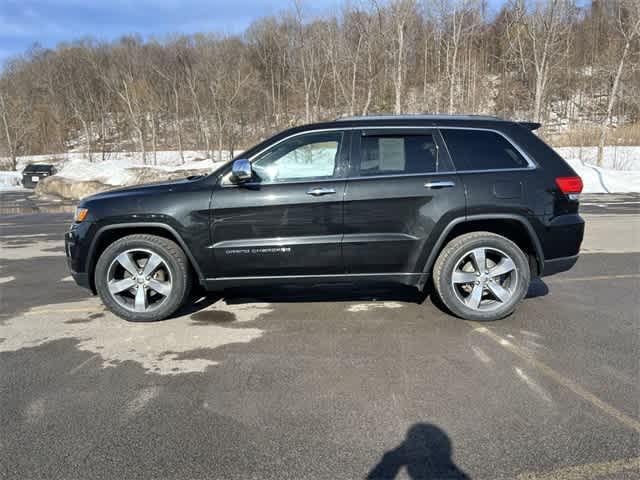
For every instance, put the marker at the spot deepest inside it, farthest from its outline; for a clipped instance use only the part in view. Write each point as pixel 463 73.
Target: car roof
pixel 417 120
pixel 421 120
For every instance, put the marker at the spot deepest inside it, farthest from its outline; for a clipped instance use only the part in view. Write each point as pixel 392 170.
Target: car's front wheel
pixel 143 278
pixel 481 276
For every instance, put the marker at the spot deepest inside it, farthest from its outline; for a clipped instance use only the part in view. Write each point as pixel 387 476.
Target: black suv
pixel 478 204
pixel 34 172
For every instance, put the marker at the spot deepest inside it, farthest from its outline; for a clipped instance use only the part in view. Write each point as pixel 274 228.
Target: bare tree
pixel 628 23
pixel 538 32
pixel 400 14
pixel 541 59
pixel 15 112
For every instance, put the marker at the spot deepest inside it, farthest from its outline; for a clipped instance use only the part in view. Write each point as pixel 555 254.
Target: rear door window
pixel 398 154
pixel 482 150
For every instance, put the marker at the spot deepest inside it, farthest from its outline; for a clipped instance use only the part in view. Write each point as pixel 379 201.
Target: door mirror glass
pixel 241 171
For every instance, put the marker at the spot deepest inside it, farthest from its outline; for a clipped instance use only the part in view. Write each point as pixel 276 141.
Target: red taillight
pixel 569 185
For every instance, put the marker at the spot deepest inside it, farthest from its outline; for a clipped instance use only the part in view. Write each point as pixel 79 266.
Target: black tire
pixel 175 262
pixel 457 251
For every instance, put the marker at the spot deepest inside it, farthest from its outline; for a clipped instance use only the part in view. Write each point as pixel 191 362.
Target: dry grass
pixel 625 135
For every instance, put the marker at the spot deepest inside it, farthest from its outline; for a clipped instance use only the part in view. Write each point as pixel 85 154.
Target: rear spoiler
pixel 531 125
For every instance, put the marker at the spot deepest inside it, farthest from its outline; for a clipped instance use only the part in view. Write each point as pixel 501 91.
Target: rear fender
pixel 433 254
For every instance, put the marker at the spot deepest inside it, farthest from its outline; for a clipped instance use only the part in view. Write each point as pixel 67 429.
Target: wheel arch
pixel 108 234
pixel 512 226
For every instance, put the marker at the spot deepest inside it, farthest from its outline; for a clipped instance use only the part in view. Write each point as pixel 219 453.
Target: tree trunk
pixel 153 138
pixel 537 103
pixel 7 132
pixel 399 67
pixel 178 123
pixel 141 143
pixel 87 133
pixel 103 134
pixel 612 98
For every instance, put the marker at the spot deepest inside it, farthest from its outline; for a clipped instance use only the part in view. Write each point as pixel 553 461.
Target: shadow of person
pixel 426 453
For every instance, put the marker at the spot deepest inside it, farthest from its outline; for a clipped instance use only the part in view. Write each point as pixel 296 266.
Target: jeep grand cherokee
pixel 478 204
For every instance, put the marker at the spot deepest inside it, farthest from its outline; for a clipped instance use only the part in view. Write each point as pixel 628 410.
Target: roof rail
pixel 418 116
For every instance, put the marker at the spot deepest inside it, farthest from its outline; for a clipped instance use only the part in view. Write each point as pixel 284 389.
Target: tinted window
pixel 399 154
pixel 481 150
pixel 312 156
pixel 34 167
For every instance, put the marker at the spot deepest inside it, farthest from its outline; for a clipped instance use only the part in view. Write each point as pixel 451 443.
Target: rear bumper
pixel 558 265
pixel 28 183
pixel 561 239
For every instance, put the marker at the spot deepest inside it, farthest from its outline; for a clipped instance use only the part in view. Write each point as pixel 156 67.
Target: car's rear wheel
pixel 481 276
pixel 143 278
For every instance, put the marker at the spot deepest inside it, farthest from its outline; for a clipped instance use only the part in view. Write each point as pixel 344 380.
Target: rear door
pixel 401 192
pixel 288 219
pixel 496 173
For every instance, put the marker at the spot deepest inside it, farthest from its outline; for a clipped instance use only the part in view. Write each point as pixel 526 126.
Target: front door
pixel 287 220
pixel 401 191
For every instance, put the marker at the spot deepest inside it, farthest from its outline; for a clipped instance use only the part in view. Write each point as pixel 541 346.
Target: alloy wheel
pixel 484 278
pixel 139 280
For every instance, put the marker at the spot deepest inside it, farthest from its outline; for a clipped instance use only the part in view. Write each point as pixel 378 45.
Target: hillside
pixel 573 66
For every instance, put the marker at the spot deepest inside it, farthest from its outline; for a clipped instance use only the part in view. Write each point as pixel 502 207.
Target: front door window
pixel 305 157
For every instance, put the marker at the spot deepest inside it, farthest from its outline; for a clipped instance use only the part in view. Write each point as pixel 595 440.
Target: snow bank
pixel 167 158
pixel 123 168
pixel 616 158
pixel 78 177
pixel 620 172
pixel 606 180
pixel 69 189
pixel 10 180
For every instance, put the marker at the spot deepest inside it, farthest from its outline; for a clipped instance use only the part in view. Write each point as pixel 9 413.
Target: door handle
pixel 319 191
pixel 440 184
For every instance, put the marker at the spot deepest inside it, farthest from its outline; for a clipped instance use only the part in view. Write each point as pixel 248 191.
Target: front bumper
pixel 75 248
pixel 82 279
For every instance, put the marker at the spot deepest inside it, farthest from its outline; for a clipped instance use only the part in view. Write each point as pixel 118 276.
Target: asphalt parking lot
pixel 322 382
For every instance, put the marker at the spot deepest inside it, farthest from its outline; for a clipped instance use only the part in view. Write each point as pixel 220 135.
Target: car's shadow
pixel 321 293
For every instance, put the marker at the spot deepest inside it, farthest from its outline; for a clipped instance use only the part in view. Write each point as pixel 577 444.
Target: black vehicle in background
pixel 479 205
pixel 35 172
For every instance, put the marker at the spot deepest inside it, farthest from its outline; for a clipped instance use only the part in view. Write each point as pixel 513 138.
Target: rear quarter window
pixel 482 150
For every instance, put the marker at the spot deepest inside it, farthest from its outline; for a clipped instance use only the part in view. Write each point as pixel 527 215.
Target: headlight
pixel 80 215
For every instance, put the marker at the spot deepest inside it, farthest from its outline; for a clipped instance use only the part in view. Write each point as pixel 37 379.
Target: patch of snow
pixel 10 180
pixel 606 180
pixel 160 349
pixel 617 158
pixel 620 172
pixel 121 171
pixel 27 248
pixel 163 158
pixel 365 307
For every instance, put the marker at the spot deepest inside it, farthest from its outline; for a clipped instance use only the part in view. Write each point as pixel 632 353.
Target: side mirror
pixel 241 171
